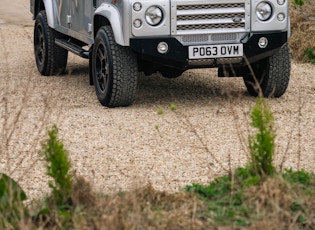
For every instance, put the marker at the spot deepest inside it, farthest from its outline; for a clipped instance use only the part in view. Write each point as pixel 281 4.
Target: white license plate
pixel 215 51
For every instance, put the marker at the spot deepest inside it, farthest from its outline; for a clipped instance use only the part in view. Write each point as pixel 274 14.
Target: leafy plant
pixel 173 107
pixel 310 53
pixel 224 198
pixel 262 144
pixel 11 202
pixel 301 177
pixel 160 112
pixel 299 3
pixel 58 167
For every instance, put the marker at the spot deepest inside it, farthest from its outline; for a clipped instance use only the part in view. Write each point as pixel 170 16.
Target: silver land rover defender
pixel 242 38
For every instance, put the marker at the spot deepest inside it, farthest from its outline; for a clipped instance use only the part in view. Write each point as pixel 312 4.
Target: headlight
pixel 154 15
pixel 264 11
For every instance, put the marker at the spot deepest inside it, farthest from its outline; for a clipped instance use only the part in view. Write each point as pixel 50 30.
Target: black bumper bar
pixel 177 55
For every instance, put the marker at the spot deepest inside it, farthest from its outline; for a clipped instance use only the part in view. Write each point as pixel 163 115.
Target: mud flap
pixel 90 66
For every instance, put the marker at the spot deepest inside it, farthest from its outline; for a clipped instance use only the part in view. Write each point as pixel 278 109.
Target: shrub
pixel 310 53
pixel 58 168
pixel 11 202
pixel 299 3
pixel 262 144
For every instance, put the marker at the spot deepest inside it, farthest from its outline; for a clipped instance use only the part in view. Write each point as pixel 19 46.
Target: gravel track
pixel 122 148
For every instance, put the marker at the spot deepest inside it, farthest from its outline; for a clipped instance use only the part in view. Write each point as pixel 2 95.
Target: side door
pixel 81 11
pixel 64 12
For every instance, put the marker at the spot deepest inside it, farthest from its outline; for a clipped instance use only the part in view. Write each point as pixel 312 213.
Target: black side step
pixel 72 47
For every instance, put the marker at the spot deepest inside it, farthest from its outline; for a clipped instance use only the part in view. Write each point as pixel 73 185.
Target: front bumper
pixel 177 55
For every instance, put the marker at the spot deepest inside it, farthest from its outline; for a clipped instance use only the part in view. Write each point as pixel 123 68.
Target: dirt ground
pixel 122 148
pixel 15 12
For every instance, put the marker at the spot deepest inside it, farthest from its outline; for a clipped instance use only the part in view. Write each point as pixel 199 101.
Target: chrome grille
pixel 211 26
pixel 210 18
pixel 206 17
pixel 210 6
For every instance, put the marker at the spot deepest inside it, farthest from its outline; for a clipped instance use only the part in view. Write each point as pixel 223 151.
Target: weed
pixel 245 177
pixel 11 205
pixel 299 3
pixel 301 177
pixel 58 167
pixel 310 53
pixel 172 107
pixel 262 144
pixel 225 200
pixel 160 112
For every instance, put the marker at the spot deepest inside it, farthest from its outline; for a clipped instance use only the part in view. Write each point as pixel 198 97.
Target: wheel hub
pixel 102 68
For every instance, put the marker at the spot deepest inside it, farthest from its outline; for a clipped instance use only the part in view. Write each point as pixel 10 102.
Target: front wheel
pixel 270 77
pixel 114 70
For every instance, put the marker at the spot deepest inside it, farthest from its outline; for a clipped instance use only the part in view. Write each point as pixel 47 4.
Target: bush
pixel 11 202
pixel 58 167
pixel 262 144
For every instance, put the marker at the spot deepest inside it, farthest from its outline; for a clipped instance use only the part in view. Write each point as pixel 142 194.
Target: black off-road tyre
pixel 272 75
pixel 50 58
pixel 114 70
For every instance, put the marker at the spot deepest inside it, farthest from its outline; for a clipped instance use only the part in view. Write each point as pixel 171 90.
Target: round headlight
pixel 154 15
pixel 264 11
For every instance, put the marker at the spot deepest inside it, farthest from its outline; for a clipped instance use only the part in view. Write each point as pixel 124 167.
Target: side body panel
pixel 76 18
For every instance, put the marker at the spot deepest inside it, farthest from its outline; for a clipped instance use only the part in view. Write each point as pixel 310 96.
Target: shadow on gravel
pixel 190 88
pixel 78 70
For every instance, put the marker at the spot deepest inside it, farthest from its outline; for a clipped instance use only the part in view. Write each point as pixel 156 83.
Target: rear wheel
pixel 114 70
pixel 271 75
pixel 50 58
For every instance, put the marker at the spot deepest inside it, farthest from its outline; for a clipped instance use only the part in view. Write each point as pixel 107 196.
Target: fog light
pixel 281 17
pixel 162 47
pixel 137 23
pixel 263 42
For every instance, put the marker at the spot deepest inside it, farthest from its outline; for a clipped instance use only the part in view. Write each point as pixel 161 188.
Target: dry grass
pixel 272 204
pixel 274 200
pixel 302 30
pixel 143 208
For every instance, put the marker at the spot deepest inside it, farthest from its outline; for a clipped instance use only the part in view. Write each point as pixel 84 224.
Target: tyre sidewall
pixel 41 21
pixel 101 39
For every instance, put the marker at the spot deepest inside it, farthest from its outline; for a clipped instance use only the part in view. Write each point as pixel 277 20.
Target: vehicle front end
pixel 191 34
